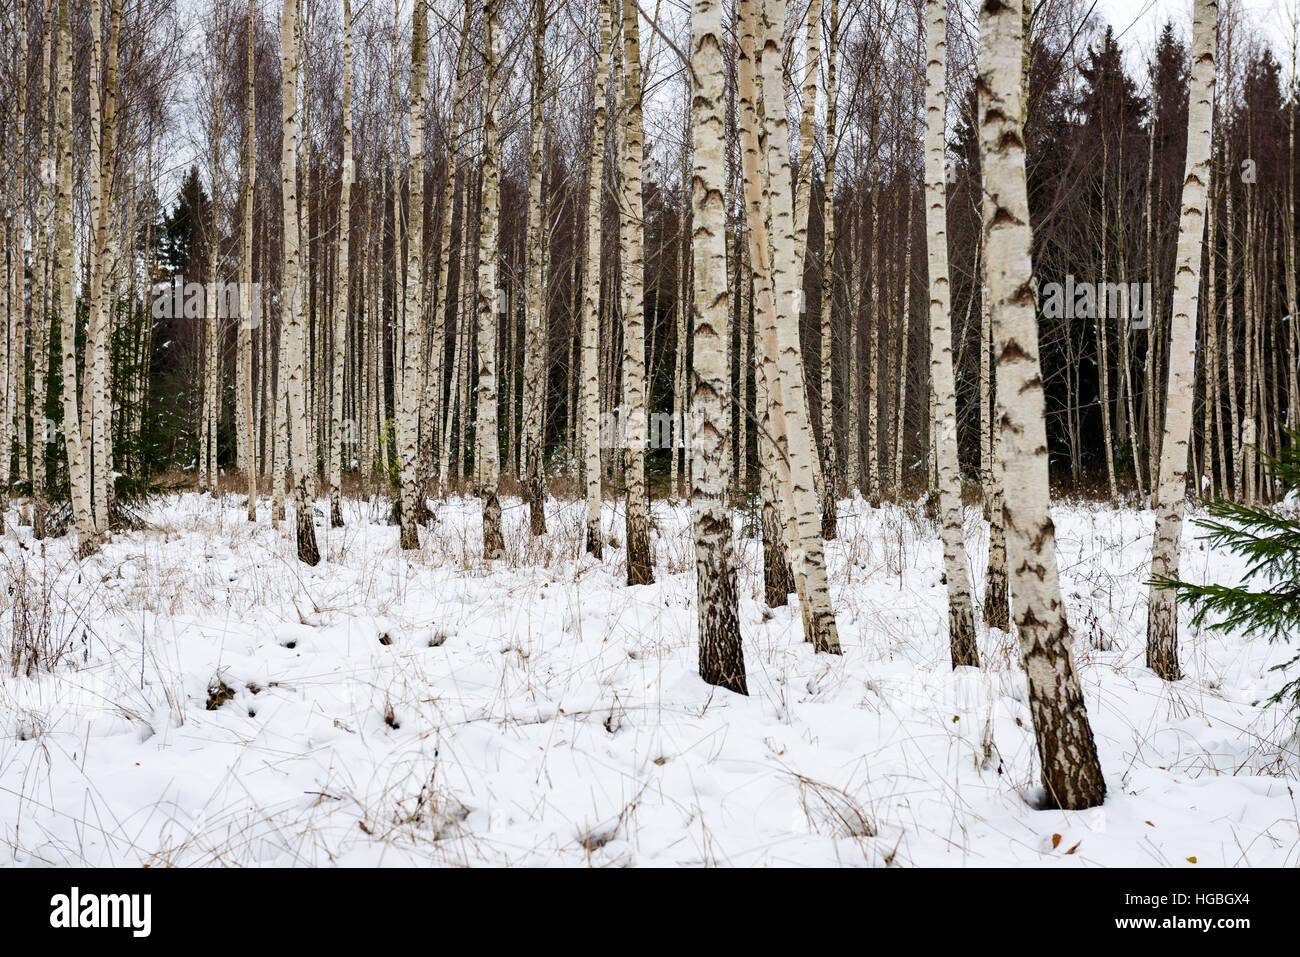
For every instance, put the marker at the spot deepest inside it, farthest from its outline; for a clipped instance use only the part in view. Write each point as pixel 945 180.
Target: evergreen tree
pixel 1269 539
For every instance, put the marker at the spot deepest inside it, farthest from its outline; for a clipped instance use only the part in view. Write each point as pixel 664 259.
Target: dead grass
pixel 35 634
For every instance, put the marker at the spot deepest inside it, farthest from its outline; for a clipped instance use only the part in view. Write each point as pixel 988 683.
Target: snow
pixel 411 709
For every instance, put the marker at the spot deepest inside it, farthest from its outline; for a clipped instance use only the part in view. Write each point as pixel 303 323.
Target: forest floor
pixel 202 698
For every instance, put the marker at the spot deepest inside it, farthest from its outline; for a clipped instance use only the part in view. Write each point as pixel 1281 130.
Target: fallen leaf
pixel 1056 840
pixel 1192 859
pixel 1075 848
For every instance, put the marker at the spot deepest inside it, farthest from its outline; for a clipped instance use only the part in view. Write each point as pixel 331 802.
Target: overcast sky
pixel 1138 22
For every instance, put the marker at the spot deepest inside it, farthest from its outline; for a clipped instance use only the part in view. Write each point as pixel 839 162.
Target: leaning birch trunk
pixel 341 284
pixel 1071 773
pixel 721 657
pixel 246 319
pixel 961 620
pixel 489 293
pixel 775 299
pixel 639 570
pixel 291 291
pixel 65 296
pixel 1162 614
pixel 408 399
pixel 459 335
pixel 591 295
pixel 534 374
pixel 778 531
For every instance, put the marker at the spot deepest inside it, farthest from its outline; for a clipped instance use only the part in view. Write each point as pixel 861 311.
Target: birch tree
pixel 721 657
pixel 961 620
pixel 639 570
pixel 246 324
pixel 412 496
pixel 291 297
pixel 341 283
pixel 489 291
pixel 15 409
pixel 65 296
pixel 534 372
pixel 1071 772
pixel 830 464
pixel 591 294
pixel 774 300
pixel 1171 491
pixel 45 150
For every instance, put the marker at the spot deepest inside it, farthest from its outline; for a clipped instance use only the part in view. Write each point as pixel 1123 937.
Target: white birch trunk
pixel 534 372
pixel 1071 773
pixel 639 564
pixel 341 284
pixel 591 296
pixel 408 398
pixel 291 292
pixel 721 657
pixel 961 621
pixel 1162 620
pixel 489 293
pixel 775 301
pixel 65 296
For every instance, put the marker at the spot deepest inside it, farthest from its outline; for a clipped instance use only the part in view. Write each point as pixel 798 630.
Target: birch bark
pixel 1071 772
pixel 1162 620
pixel 721 657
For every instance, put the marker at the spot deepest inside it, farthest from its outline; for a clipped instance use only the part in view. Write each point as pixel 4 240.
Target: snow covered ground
pixel 385 708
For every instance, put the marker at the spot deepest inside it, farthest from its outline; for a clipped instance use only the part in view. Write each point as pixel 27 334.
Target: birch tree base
pixel 535 495
pixel 494 543
pixel 830 518
pixel 639 569
pixel 1162 635
pixel 778 579
pixel 308 552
